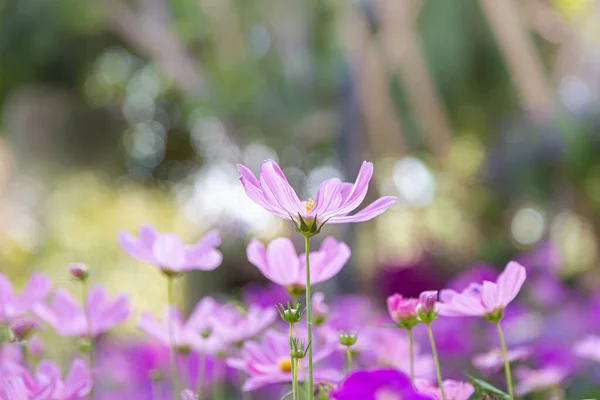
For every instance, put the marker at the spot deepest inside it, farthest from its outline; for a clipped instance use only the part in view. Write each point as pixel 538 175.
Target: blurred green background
pixel 479 114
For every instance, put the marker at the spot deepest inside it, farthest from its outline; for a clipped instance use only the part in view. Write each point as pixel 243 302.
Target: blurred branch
pixel 226 28
pixel 371 82
pixel 520 54
pixel 153 37
pixel 405 56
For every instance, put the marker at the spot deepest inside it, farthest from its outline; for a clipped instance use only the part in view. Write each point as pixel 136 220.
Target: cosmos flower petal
pixel 371 211
pixel 510 282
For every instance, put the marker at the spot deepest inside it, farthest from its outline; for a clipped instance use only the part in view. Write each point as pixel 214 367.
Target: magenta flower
pixel 234 326
pixel 168 251
pixel 280 263
pixel 379 384
pixel 493 360
pixel 530 380
pixel 195 334
pixel 402 310
pixel 68 318
pixel 488 299
pixel 453 390
pixel 268 362
pixel 14 306
pixel 333 202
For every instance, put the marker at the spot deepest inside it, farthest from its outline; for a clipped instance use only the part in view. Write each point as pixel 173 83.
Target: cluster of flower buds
pixel 291 314
pixel 409 312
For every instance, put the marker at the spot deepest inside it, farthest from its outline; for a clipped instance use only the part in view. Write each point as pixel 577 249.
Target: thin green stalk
pixel 201 367
pixel 170 303
pixel 509 383
pixel 348 358
pixel 437 361
pixel 90 337
pixel 309 320
pixel 296 395
pixel 412 355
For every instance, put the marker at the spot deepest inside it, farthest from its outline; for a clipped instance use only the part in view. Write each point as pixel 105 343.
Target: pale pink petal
pixel 328 198
pixel 254 191
pixel 510 282
pixel 490 296
pixel 78 383
pixel 148 324
pixel 282 262
pixel 36 290
pixel 446 295
pixel 7 293
pixel 259 381
pixel 169 251
pixel 357 194
pixel 140 247
pixel 205 260
pixel 277 190
pixel 371 211
pixel 336 255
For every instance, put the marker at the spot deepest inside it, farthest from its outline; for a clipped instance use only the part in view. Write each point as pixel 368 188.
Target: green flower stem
pixel 437 361
pixel 170 302
pixel 309 381
pixel 348 358
pixel 201 368
pixel 509 383
pixel 294 369
pixel 90 337
pixel 412 355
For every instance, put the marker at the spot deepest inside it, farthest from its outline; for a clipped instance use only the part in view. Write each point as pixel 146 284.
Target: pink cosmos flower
pixel 234 326
pixel 168 251
pixel 486 299
pixel 453 390
pixel 333 202
pixel 530 380
pixel 14 306
pixel 187 394
pixel 402 309
pixel 320 309
pixel 194 334
pixel 268 362
pixel 46 383
pixel 493 360
pixel 68 318
pixel 589 348
pixel 280 263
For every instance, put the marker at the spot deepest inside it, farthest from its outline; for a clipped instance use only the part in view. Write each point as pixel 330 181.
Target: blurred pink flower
pixel 484 299
pixel 187 394
pixel 168 251
pixel 402 309
pixel 234 325
pixel 320 309
pixel 13 306
pixel 453 390
pixel 23 328
pixel 589 348
pixel 280 263
pixel 333 202
pixel 194 334
pixel 268 362
pixel 530 380
pixel 68 318
pixel 493 360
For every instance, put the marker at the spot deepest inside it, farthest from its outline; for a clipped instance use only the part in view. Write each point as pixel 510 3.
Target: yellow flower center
pixel 308 204
pixel 285 365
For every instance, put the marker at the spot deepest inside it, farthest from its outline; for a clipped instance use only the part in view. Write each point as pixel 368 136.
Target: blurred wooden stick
pixel 371 82
pixel 153 37
pixel 519 52
pixel 405 57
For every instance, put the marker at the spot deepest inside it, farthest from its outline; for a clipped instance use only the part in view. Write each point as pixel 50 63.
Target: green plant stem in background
pixel 507 373
pixel 294 369
pixel 412 355
pixel 309 384
pixel 436 360
pixel 90 336
pixel 170 333
pixel 201 367
pixel 348 358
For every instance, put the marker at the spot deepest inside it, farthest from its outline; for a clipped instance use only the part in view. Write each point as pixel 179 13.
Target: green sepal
pixel 486 391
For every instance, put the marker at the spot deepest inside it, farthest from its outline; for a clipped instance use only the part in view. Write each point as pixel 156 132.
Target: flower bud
pixel 297 349
pixel 403 311
pixel 348 339
pixel 427 306
pixel 79 271
pixel 291 315
pixel 319 308
pixel 23 328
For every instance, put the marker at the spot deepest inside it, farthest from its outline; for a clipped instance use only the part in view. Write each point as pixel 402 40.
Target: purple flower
pixel 234 326
pixel 69 318
pixel 168 251
pixel 13 306
pixel 280 263
pixel 187 394
pixel 268 362
pixel 381 384
pixel 486 299
pixel 196 333
pixel 493 360
pixel 333 202
pixel 453 390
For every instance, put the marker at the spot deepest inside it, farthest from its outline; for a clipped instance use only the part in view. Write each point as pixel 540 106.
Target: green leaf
pixel 485 391
pixel 287 394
